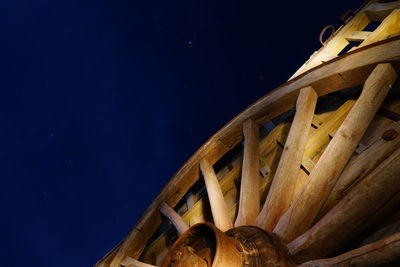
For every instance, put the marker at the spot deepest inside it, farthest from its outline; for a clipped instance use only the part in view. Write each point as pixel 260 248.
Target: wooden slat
pixel 351 212
pixel 174 217
pixel 306 206
pixel 218 206
pixel 379 11
pixel 359 167
pixel 284 182
pixel 249 202
pixel 378 253
pixel 349 70
pixel 390 26
pixel 358 36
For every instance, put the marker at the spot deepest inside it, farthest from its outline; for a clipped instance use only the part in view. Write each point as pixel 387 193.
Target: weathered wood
pixel 359 167
pixel 389 26
pixel 131 262
pixel 284 182
pixel 174 217
pixel 249 202
pixel 378 253
pixel 306 206
pixel 350 213
pixel 378 11
pixel 350 70
pixel 358 36
pixel 218 206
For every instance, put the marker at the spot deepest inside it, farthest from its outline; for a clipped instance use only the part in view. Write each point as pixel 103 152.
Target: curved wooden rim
pixel 346 71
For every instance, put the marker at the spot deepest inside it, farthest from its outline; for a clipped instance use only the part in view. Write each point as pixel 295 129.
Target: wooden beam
pixel 284 181
pixel 218 206
pixel 306 206
pixel 350 213
pixel 379 11
pixel 359 167
pixel 249 202
pixel 358 36
pixel 349 70
pixel 390 26
pixel 378 253
pixel 174 217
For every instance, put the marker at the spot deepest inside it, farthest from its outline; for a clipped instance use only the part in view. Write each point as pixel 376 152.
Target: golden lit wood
pixel 375 254
pixel 358 36
pixel 351 212
pixel 306 206
pixel 218 206
pixel 131 262
pixel 249 202
pixel 359 167
pixel 174 217
pixel 284 182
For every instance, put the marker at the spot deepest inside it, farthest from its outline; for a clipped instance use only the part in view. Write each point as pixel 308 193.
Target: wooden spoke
pixel 131 262
pixel 351 212
pixel 218 206
pixel 360 167
pixel 307 204
pixel 249 202
pixel 174 217
pixel 284 181
pixel 375 254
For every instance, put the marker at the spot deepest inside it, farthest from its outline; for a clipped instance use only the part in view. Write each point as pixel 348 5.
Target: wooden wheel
pixel 313 185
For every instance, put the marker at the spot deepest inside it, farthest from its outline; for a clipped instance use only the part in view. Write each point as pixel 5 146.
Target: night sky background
pixel 101 102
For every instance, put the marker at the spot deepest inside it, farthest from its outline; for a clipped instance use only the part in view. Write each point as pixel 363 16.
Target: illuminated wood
pixel 284 182
pixel 375 254
pixel 249 202
pixel 390 26
pixel 306 206
pixel 359 167
pixel 358 36
pixel 351 212
pixel 378 11
pixel 174 217
pixel 218 206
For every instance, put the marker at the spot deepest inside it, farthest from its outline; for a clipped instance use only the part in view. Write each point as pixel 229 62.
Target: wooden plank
pixel 350 70
pixel 379 11
pixel 358 36
pixel 174 217
pixel 390 26
pixel 359 167
pixel 378 253
pixel 350 213
pixel 249 203
pixel 284 182
pixel 306 206
pixel 218 206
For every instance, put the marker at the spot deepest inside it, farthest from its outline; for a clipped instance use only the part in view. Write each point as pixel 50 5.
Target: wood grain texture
pixel 174 217
pixel 378 253
pixel 359 167
pixel 349 70
pixel 284 181
pixel 218 206
pixel 306 206
pixel 249 201
pixel 350 213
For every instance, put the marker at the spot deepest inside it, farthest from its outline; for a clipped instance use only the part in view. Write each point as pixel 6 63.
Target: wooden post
pixel 284 181
pixel 351 212
pixel 307 204
pixel 218 206
pixel 249 202
pixel 375 254
pixel 174 217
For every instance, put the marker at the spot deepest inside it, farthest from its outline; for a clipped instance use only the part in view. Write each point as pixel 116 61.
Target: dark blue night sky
pixel 102 101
